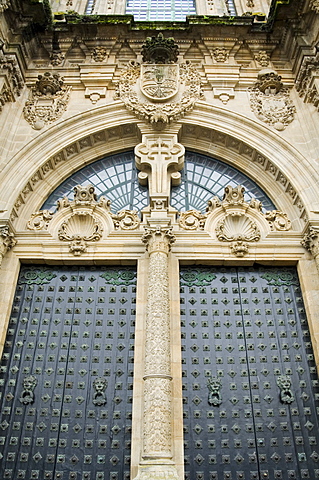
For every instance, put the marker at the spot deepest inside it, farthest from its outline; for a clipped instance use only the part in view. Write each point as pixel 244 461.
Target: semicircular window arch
pixel 115 177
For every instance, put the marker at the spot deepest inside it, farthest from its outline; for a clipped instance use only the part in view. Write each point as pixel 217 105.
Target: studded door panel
pixel 67 375
pixel 250 387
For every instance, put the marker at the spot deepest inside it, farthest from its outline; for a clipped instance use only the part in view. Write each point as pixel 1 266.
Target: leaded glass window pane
pixel 204 177
pixel 114 176
pixel 169 10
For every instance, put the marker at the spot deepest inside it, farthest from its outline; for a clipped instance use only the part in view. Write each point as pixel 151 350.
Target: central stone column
pixel 157 410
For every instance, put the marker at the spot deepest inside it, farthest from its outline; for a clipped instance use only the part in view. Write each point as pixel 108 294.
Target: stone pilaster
pixel 157 450
pixel 7 241
pixel 311 243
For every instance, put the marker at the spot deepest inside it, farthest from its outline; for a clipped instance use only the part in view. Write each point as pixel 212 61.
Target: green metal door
pixel 67 375
pixel 250 387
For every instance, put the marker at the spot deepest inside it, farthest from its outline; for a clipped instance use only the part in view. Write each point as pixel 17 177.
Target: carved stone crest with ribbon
pixel 160 90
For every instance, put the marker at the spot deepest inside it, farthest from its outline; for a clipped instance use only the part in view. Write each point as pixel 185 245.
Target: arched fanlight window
pixel 115 176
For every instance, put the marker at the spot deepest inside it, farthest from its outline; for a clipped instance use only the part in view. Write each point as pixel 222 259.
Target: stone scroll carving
pixel 235 221
pixel 83 220
pixel 159 91
pixel 157 411
pixel 270 102
pixel 47 101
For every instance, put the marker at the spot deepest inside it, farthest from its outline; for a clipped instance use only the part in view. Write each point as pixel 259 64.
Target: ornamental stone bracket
pixel 270 102
pixel 307 80
pixel 157 446
pixel 7 240
pixel 235 221
pixel 160 91
pixel 159 159
pixel 48 100
pixel 83 220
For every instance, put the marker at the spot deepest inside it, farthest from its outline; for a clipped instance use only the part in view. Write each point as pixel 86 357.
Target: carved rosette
pixel 47 102
pixel 7 241
pixel 126 220
pixel 192 220
pixel 270 102
pixel 157 426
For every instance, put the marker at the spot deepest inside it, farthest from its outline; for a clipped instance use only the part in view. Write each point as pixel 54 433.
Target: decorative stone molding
pixel 157 410
pixel 160 159
pixel 220 54
pixel 7 241
pixel 11 78
pixel 270 102
pixel 99 54
pixel 235 221
pixel 262 58
pixel 307 80
pixel 48 100
pixel 57 58
pixel 159 92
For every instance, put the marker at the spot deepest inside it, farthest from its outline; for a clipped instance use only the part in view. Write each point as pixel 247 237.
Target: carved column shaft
pixel 157 441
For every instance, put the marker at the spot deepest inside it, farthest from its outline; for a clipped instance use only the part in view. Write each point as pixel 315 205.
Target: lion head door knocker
pixel 214 396
pixel 284 383
pixel 99 386
pixel 27 395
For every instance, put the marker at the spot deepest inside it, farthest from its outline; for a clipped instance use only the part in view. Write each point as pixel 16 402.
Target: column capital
pixel 158 239
pixel 311 241
pixel 7 240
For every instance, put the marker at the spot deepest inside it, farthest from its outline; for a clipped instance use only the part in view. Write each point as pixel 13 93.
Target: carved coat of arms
pixel 160 90
pixel 159 81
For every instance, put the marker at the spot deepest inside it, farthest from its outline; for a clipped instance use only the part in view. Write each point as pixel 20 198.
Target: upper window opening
pixel 157 10
pixel 115 177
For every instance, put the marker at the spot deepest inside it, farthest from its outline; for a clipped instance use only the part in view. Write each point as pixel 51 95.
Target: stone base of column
pixel 157 472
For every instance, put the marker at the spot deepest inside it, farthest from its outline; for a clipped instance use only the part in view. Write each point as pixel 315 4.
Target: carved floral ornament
pixel 270 102
pixel 235 221
pixel 83 220
pixel 160 91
